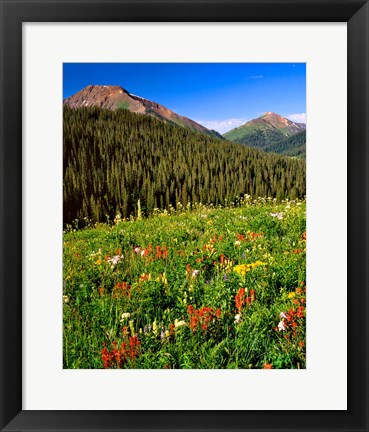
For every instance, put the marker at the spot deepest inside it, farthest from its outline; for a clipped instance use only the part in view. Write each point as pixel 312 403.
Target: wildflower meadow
pixel 194 287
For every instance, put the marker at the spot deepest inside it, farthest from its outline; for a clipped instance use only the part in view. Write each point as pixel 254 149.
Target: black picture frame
pixel 13 14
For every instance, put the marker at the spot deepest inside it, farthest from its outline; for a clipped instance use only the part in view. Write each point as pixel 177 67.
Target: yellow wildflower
pixel 241 269
pixel 155 328
pixel 162 278
pixel 132 328
pixel 179 323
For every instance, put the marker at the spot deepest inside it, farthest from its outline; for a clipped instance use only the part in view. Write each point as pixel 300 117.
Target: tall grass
pixel 188 288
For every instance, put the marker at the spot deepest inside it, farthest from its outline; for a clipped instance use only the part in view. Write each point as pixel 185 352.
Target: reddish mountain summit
pixel 115 97
pixel 281 123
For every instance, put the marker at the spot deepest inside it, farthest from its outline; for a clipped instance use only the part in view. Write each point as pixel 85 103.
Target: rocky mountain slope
pixel 270 128
pixel 115 97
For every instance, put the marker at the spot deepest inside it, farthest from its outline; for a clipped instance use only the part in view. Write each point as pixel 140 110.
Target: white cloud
pixel 298 118
pixel 222 126
pixel 255 77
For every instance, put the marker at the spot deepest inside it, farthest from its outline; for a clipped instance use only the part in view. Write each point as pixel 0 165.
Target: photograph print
pixel 184 216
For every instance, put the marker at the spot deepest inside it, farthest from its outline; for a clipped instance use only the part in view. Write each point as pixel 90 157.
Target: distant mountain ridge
pixel 114 97
pixel 265 131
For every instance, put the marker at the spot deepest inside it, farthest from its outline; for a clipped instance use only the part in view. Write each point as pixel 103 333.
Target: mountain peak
pixel 114 97
pixel 277 120
pixel 105 96
pixel 268 129
pixel 271 115
pixel 103 88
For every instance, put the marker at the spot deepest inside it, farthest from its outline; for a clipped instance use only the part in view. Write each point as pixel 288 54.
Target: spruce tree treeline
pixel 294 145
pixel 113 158
pixel 259 138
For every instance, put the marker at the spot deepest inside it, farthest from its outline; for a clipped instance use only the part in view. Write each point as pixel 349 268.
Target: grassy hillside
pixel 208 288
pixel 255 135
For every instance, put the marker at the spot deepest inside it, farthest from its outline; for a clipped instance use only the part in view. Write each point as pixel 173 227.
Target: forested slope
pixel 294 146
pixel 113 158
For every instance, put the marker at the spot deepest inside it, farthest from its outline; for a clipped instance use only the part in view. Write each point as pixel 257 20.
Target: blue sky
pixel 220 96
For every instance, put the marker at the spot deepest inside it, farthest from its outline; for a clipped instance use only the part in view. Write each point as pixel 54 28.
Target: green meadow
pixel 193 287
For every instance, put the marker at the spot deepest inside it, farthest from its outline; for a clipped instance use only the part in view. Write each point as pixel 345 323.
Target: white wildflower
pixel 281 326
pixel 179 323
pixel 279 216
pixel 115 259
pixel 237 318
